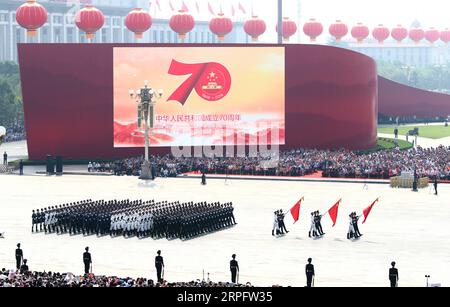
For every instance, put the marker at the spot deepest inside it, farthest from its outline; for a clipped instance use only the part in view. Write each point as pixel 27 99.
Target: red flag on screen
pixel 184 7
pixel 295 211
pixel 333 212
pixel 210 9
pixel 368 209
pixel 171 5
pixel 241 7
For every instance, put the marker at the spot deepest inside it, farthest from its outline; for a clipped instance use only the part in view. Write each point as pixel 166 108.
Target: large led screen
pixel 211 96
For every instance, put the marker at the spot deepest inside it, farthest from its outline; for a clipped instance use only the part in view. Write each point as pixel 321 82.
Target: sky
pixel 431 13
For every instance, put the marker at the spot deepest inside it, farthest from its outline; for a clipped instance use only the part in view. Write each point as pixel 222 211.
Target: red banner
pixel 295 211
pixel 368 209
pixel 333 212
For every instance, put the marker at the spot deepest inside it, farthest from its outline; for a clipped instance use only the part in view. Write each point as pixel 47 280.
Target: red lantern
pixel 313 29
pixel 182 23
pixel 338 30
pixel 432 35
pixel 445 36
pixel 31 16
pixel 381 33
pixel 289 28
pixel 360 32
pixel 255 27
pixel 399 33
pixel 416 35
pixel 138 21
pixel 89 19
pixel 221 26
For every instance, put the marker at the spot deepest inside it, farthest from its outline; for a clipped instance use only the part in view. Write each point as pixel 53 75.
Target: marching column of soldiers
pixel 163 219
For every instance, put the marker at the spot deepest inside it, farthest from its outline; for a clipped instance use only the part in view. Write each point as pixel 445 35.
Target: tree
pixel 433 78
pixel 11 107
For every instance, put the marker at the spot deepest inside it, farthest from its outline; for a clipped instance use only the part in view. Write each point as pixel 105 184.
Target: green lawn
pixel 432 132
pixel 384 144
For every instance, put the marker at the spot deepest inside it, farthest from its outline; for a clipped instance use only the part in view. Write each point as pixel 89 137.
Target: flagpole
pixel 280 22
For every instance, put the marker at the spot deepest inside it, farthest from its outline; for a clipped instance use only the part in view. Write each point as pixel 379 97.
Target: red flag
pixel 333 212
pixel 210 8
pixel 233 12
pixel 184 7
pixel 171 6
pixel 295 211
pixel 198 7
pixel 241 7
pixel 367 210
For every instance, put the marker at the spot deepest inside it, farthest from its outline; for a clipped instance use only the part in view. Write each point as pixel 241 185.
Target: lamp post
pixel 146 115
pixel 427 276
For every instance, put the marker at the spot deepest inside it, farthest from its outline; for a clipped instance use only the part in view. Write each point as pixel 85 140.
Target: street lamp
pixel 146 114
pixel 427 276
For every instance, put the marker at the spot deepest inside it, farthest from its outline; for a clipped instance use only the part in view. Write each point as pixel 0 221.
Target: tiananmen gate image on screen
pixel 208 99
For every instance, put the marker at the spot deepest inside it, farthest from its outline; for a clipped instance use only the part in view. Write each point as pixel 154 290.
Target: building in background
pixel 61 28
pixel 407 53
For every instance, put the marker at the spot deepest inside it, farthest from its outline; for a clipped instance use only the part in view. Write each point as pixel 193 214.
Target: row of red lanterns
pixel 360 32
pixel 31 15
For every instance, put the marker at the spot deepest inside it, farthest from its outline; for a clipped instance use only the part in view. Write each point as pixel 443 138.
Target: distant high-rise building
pixel 61 28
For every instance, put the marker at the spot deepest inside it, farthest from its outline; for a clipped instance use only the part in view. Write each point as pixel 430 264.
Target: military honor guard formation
pixel 135 218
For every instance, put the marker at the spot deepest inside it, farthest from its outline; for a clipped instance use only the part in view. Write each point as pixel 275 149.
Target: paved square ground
pixel 410 228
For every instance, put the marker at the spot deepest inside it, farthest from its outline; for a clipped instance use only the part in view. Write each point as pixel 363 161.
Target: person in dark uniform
pixel 5 158
pixel 435 185
pixel 234 268
pixel 24 267
pixel 396 132
pixel 415 181
pixel 19 256
pixel 309 270
pixel 21 167
pixel 87 260
pixel 159 265
pixel 203 179
pixel 393 275
pixel 33 221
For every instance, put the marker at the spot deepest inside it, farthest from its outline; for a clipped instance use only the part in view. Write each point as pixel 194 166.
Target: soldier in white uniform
pixel 312 229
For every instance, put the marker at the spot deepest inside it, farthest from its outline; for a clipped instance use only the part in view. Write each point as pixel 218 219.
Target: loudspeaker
pixel 59 165
pixel 50 165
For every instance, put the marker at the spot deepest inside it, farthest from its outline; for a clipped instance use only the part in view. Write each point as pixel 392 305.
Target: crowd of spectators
pixel 14 133
pixel 384 164
pixel 13 278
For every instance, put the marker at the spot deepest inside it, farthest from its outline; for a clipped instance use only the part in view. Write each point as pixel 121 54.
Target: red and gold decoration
pixel 416 35
pixel 360 32
pixel 289 28
pixel 313 29
pixel 338 30
pixel 432 35
pixel 89 19
pixel 381 33
pixel 138 21
pixel 255 27
pixel 445 36
pixel 221 26
pixel 31 16
pixel 182 23
pixel 399 33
